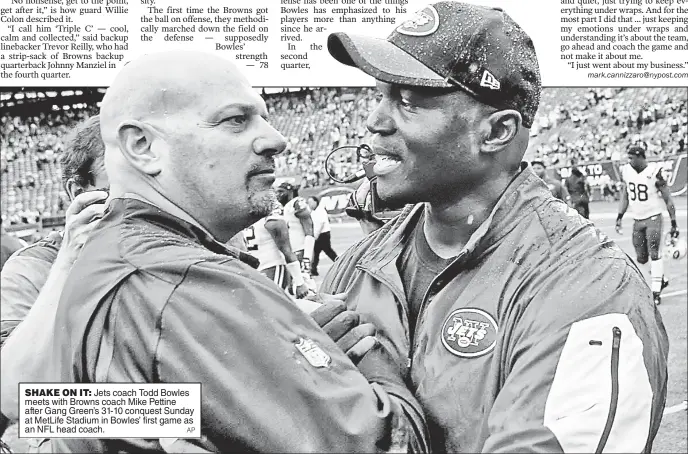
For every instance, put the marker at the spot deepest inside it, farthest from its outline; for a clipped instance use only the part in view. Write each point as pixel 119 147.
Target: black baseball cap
pixel 538 162
pixel 450 44
pixel 286 185
pixel 636 150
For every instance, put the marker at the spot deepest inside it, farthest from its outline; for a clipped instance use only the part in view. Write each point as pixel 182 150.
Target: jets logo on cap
pixel 490 81
pixel 469 332
pixel 423 23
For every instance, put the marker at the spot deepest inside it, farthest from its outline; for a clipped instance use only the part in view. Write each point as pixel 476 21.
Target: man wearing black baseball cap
pixel 579 189
pixel 510 316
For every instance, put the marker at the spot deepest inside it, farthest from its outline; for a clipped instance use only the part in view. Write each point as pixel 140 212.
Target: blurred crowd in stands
pixel 314 123
pixel 574 126
pixel 31 182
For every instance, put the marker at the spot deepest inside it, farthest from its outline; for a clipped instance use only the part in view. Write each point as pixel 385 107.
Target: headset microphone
pixel 364 154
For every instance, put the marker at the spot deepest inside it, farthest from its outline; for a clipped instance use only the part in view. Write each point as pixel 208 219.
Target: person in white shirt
pixel 321 231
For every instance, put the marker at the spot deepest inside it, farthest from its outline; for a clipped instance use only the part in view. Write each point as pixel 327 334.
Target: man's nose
pixel 380 121
pixel 271 141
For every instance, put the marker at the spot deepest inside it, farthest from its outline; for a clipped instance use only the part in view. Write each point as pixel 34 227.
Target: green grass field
pixel 673 433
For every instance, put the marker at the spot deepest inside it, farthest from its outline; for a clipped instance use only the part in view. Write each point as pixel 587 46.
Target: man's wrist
pixel 294 269
pixel 378 366
pixel 64 260
pixel 674 225
pixel 619 217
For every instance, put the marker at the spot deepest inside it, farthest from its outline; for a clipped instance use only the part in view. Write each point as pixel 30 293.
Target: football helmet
pixel 675 247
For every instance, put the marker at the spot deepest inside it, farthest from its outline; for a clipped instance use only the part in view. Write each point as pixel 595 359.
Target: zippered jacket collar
pixel 525 192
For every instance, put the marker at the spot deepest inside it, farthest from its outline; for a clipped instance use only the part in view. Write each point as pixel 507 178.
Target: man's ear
pixel 136 142
pixel 73 189
pixel 502 127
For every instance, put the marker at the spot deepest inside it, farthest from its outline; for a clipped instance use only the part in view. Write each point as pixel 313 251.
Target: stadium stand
pixel 574 126
pixel 581 125
pixel 33 125
pixel 316 121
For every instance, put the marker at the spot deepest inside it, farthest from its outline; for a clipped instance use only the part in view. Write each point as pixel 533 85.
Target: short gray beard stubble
pixel 260 203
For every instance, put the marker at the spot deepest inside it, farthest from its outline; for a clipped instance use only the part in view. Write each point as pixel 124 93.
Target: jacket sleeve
pixel 586 370
pixel 343 270
pixel 21 280
pixel 237 334
pixel 378 365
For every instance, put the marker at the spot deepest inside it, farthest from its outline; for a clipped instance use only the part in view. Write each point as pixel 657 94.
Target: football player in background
pixel 268 241
pixel 646 192
pixel 297 214
pixel 556 188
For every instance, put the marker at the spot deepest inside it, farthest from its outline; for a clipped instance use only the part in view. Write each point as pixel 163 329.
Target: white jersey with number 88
pixel 644 198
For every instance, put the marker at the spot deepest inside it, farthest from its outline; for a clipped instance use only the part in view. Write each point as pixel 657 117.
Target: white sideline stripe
pixel 680 292
pixel 593 216
pixel 676 408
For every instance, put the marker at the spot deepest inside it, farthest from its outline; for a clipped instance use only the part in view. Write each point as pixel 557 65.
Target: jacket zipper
pixel 616 343
pixel 422 309
pixel 380 277
pixel 400 297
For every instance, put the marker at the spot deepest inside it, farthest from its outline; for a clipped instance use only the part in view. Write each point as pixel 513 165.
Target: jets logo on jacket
pixel 469 332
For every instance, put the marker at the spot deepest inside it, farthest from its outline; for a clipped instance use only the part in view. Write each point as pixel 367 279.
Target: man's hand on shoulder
pixel 82 217
pixel 344 326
